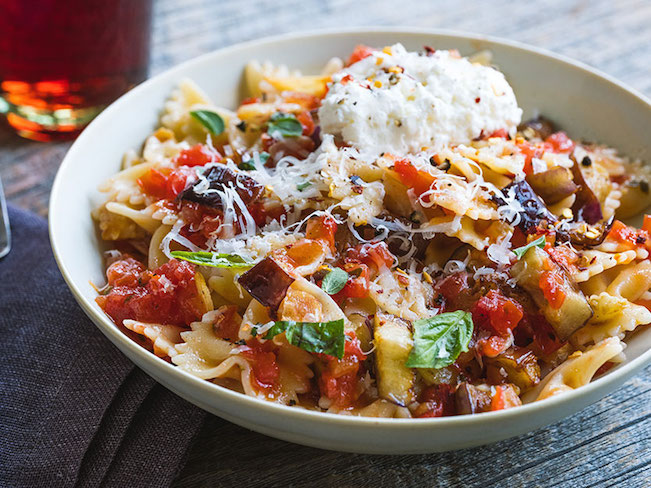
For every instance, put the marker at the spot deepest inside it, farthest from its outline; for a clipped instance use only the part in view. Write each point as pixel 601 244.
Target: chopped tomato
pixel 322 228
pixel 201 222
pixel 452 285
pixel 552 283
pixel 225 325
pixel 357 284
pixel 420 181
pixel 559 142
pixel 492 346
pixel 164 183
pixel 646 226
pixel 168 295
pixel 529 151
pixel 360 52
pixel 372 254
pixel 630 236
pixel 340 380
pixel 125 272
pixel 498 313
pixel 437 401
pixel 499 401
pixel 250 100
pixel 264 364
pixel 500 133
pixel 198 155
pixel 307 122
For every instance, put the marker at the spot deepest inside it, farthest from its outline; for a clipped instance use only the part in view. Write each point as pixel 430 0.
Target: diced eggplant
pixel 515 365
pixel 393 343
pixel 471 399
pixel 219 177
pixel 586 207
pixel 573 313
pixel 539 128
pixel 553 185
pixel 267 282
pixel 534 213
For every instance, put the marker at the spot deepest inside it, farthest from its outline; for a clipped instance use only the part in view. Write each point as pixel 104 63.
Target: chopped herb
pixel 210 120
pixel 334 281
pixel 246 165
pixel 439 340
pixel 213 259
pixel 249 165
pixel 521 251
pixel 241 342
pixel 284 125
pixel 241 126
pixel 303 186
pixel 318 337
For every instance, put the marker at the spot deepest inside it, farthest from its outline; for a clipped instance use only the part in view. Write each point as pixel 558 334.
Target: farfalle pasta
pixel 385 238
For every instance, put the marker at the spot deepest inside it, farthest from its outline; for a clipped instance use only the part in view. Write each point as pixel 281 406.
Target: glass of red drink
pixel 63 61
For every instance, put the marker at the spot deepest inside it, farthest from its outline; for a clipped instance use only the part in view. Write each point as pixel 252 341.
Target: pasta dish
pixel 386 238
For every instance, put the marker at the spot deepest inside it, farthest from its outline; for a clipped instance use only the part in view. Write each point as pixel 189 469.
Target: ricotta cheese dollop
pixel 399 101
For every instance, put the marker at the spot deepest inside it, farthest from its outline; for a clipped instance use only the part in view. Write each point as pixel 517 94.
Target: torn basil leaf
pixel 319 337
pixel 521 251
pixel 334 281
pixel 439 340
pixel 210 120
pixel 284 125
pixel 213 259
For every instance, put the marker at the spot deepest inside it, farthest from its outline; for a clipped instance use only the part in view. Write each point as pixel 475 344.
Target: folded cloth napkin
pixel 73 410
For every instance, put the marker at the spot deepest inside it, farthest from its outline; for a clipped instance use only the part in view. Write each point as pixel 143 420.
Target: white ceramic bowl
pixel 588 104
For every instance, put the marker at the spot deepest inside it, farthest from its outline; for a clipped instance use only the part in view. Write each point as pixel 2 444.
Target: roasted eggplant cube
pixel 575 310
pixel 471 399
pixel 267 282
pixel 393 343
pixel 515 365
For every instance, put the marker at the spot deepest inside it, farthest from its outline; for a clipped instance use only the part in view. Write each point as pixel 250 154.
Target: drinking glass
pixel 63 61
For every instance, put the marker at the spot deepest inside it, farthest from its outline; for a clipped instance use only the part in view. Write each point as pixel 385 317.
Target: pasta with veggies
pixel 386 238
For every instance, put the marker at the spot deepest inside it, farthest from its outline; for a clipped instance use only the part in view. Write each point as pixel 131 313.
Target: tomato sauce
pixel 340 380
pixel 264 364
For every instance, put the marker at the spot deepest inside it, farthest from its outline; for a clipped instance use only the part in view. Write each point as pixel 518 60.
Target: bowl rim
pixel 108 328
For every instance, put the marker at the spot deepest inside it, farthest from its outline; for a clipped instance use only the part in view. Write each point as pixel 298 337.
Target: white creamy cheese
pixel 398 101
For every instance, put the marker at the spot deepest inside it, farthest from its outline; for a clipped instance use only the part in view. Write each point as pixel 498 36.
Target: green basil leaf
pixel 213 259
pixel 250 165
pixel 303 186
pixel 521 251
pixel 334 281
pixel 284 125
pixel 439 340
pixel 210 120
pixel 319 337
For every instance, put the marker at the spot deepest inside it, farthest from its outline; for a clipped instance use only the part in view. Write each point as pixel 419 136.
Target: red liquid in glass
pixel 62 61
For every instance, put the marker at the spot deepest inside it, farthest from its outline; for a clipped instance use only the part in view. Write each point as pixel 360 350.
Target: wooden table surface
pixel 607 444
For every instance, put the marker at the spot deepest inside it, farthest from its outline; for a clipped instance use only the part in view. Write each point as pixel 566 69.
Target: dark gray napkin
pixel 73 410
